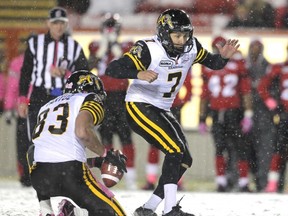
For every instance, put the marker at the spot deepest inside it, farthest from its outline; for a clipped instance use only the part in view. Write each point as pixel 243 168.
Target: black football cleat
pixel 176 211
pixel 141 211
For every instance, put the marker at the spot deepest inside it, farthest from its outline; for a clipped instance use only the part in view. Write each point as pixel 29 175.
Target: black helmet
pixel 174 20
pixel 84 81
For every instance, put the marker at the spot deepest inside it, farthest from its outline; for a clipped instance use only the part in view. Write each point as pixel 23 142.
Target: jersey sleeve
pixel 91 103
pixel 201 52
pixel 137 59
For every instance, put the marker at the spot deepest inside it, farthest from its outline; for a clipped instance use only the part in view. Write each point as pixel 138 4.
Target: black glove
pixel 117 159
pixel 95 162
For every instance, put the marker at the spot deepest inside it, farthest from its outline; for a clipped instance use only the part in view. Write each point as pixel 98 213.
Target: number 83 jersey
pixel 54 135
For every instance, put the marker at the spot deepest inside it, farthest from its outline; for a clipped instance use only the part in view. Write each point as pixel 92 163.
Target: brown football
pixel 110 174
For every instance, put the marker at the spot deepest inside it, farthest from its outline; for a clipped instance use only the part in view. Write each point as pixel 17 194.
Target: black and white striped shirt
pixel 42 53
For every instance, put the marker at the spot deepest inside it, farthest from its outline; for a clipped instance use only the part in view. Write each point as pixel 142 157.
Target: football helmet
pixel 174 20
pixel 84 81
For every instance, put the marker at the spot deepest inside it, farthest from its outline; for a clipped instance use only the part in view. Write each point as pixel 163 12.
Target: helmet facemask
pixel 173 20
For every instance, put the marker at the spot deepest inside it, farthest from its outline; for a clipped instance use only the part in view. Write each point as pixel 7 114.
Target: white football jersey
pixel 171 76
pixel 54 135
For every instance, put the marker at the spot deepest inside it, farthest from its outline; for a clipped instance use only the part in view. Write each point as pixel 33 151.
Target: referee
pixel 49 60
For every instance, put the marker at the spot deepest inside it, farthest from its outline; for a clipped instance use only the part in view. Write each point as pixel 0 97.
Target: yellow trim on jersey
pixel 137 62
pixel 95 109
pixel 30 167
pixel 156 127
pixel 91 183
pixel 201 55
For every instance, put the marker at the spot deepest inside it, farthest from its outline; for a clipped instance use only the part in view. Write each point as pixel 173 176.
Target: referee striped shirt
pixel 42 53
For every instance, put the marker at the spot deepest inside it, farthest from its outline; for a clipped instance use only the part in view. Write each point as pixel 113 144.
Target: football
pixel 110 174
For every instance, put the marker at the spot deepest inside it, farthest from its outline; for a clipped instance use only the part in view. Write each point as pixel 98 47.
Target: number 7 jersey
pixel 171 74
pixel 54 135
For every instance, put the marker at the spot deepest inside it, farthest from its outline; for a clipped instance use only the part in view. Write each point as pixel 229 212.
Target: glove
pixel 246 124
pixel 117 158
pixel 202 128
pixel 95 162
pixel 271 103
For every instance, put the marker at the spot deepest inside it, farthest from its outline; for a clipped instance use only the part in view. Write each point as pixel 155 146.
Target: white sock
pixel 221 180
pixel 46 207
pixel 153 202
pixel 273 176
pixel 243 181
pixel 170 192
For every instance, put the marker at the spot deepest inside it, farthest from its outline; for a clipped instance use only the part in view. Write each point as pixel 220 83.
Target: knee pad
pixel 171 168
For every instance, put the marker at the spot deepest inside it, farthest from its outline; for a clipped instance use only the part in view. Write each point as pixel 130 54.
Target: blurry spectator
pixel 101 53
pixel 278 104
pixel 226 92
pixel 253 13
pixel 261 14
pixel 239 18
pixel 153 153
pixel 260 139
pixel 10 108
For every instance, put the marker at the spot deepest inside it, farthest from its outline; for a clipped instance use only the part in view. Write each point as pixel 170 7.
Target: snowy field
pixel 18 201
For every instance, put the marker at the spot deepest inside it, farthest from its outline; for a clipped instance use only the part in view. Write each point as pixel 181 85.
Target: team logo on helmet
pixel 166 20
pixel 85 79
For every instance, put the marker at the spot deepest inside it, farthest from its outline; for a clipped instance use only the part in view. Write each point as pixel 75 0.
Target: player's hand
pixel 148 75
pixel 22 110
pixel 95 162
pixel 117 158
pixel 202 128
pixel 57 72
pixel 271 103
pixel 228 50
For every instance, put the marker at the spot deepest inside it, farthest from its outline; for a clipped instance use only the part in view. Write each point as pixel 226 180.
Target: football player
pixel 158 66
pixel 225 92
pixel 278 104
pixel 57 160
